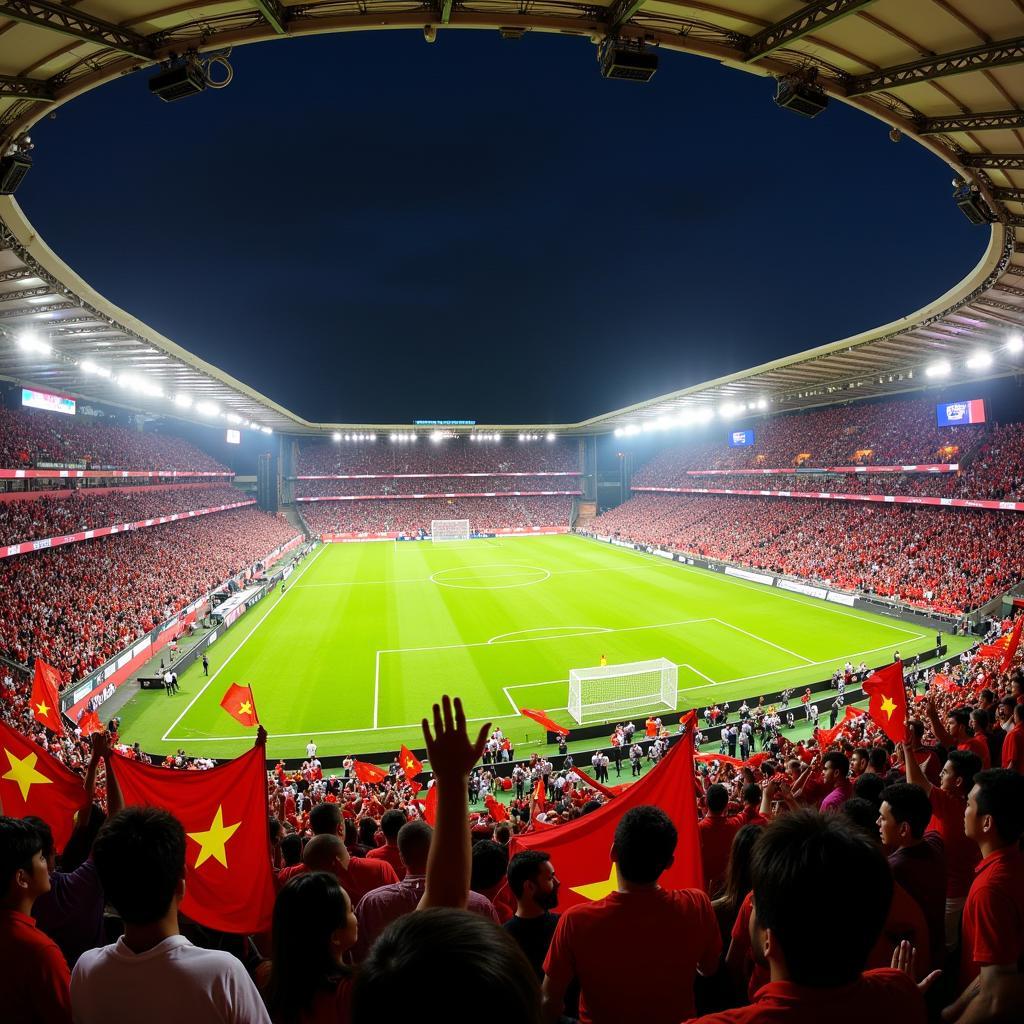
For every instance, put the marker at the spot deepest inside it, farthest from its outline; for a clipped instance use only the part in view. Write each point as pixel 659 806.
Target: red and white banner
pixel 424 476
pixel 522 531
pixel 451 494
pixel 936 467
pixel 106 474
pixel 899 499
pixel 105 531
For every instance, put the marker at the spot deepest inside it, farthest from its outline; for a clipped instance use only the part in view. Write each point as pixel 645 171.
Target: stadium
pixel 781 602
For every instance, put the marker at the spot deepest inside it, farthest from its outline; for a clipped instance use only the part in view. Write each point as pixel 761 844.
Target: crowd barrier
pixel 524 531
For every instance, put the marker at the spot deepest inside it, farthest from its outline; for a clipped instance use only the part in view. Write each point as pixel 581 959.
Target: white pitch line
pixel 761 639
pixel 587 630
pixel 698 672
pixel 166 736
pixel 376 686
pixel 515 706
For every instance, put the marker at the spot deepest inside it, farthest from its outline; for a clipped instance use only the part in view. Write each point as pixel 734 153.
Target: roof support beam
pixel 620 13
pixel 26 88
pixel 1008 195
pixel 26 293
pixel 12 314
pixel 274 14
pixel 972 122
pixel 800 24
pixel 446 11
pixel 16 275
pixel 974 58
pixel 69 22
pixel 996 161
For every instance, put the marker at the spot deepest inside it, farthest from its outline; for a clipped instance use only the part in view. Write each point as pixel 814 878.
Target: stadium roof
pixel 948 73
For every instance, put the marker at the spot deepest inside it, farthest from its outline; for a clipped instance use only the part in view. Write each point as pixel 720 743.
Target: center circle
pixel 497 576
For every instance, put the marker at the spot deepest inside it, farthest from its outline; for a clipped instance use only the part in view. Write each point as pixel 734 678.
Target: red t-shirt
pixel 756 974
pixel 961 853
pixel 976 745
pixel 993 924
pixel 657 938
pixel 360 877
pixel 1013 750
pixel 391 855
pixel 879 995
pixel 35 981
pixel 716 836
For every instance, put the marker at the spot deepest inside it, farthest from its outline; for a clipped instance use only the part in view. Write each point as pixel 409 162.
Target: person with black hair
pixel 313 927
pixel 153 968
pixel 390 825
pixel 688 940
pixel 956 734
pixel 796 858
pixel 949 805
pixel 35 978
pixel 291 850
pixel 716 831
pixel 532 879
pixel 835 772
pixel 488 878
pixel 993 921
pixel 1012 753
pixel 917 857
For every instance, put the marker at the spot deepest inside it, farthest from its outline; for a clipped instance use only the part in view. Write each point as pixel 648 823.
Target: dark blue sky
pixel 366 227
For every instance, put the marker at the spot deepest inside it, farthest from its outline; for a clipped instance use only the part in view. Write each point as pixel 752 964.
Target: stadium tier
pixel 312 490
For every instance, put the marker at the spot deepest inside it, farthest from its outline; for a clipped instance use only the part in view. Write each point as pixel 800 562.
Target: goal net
pixel 611 691
pixel 449 529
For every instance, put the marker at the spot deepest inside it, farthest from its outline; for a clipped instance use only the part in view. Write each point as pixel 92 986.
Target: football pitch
pixel 367 636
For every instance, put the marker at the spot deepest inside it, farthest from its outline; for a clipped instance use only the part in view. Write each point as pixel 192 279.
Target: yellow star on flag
pixel 245 709
pixel 23 772
pixel 598 890
pixel 888 706
pixel 410 763
pixel 42 709
pixel 212 842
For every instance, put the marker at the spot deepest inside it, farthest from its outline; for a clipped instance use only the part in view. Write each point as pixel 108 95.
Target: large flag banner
pixel 367 773
pixel 825 737
pixel 582 775
pixel 888 705
pixel 239 704
pixel 45 683
pixel 541 719
pixel 580 848
pixel 229 881
pixel 90 723
pixel 33 782
pixel 1011 647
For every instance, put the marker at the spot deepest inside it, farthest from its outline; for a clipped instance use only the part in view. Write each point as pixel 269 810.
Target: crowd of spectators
pixel 890 433
pixel 76 606
pixel 52 515
pixel 437 485
pixel 409 515
pixel 29 437
pixel 452 455
pixel 950 560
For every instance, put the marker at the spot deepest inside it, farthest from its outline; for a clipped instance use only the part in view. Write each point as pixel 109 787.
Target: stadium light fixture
pixel 551 435
pixel 1015 344
pixel 618 431
pixel 207 408
pixel 729 410
pixel 233 417
pixel 704 415
pixel 267 430
pixel 183 401
pixel 762 403
pixel 88 366
pixel 31 342
pixel 981 360
pixel 632 430
pixel 336 436
pixel 940 368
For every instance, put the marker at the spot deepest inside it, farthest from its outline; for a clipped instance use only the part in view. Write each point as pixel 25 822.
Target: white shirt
pixel 310 749
pixel 170 983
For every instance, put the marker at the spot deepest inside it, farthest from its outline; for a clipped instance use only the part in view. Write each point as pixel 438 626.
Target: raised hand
pixel 450 751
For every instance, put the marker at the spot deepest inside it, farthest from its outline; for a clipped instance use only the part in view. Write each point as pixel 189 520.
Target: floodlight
pixel 1015 343
pixel 551 435
pixel 205 408
pixel 267 430
pixel 981 360
pixel 183 401
pixel 335 436
pixel 31 342
pixel 618 431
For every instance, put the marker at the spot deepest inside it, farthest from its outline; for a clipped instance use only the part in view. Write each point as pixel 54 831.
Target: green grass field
pixel 367 636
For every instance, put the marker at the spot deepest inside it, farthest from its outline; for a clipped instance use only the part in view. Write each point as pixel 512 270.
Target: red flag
pixel 497 810
pixel 411 764
pixel 366 772
pixel 430 805
pixel 985 651
pixel 580 848
pixel 591 783
pixel 826 737
pixel 1011 648
pixel 90 723
pixel 45 706
pixel 541 719
pixel 888 706
pixel 540 794
pixel 239 704
pixel 229 880
pixel 33 782
pixel 720 758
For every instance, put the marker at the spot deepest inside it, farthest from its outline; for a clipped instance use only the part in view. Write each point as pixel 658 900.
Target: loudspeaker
pixel 13 169
pixel 178 82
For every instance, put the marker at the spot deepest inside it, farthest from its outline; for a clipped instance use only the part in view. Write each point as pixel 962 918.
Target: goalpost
pixel 449 529
pixel 612 690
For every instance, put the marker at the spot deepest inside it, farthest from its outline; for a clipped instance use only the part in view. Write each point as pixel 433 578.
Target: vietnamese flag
pixel 366 772
pixel 541 719
pixel 888 706
pixel 430 805
pixel 239 704
pixel 540 794
pixel 495 808
pixel 45 706
pixel 825 737
pixel 1011 648
pixel 229 880
pixel 33 782
pixel 580 848
pixel 411 764
pixel 90 723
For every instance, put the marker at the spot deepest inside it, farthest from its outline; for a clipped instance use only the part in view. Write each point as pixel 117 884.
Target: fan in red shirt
pixel 357 875
pixel 796 858
pixel 716 835
pixel 391 824
pixel 957 735
pixel 1013 745
pixel 659 938
pixel 993 925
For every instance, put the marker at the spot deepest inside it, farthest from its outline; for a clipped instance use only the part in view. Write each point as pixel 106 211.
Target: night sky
pixel 368 228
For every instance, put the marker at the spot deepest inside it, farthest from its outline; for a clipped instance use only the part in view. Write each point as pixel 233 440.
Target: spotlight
pixel 551 435
pixel 631 62
pixel 981 360
pixel 940 368
pixel 335 436
pixel 178 81
pixel 799 93
pixel 1015 344
pixel 211 409
pixel 31 342
pixel 968 198
pixel 183 401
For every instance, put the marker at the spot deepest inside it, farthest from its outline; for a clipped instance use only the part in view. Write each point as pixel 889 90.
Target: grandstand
pixel 685 590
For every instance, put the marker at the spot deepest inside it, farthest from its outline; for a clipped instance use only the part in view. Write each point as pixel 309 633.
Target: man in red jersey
pixel 390 825
pixel 956 734
pixel 993 927
pixel 716 835
pixel 688 939
pixel 1013 745
pixel 797 857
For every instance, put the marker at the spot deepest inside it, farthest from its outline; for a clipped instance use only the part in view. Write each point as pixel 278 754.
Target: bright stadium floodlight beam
pixel 981 360
pixel 762 403
pixel 205 408
pixel 267 430
pixel 940 368
pixel 1015 344
pixel 31 342
pixel 183 401
pixel 551 435
pixel 336 436
pixel 618 431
